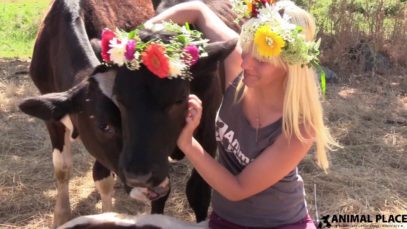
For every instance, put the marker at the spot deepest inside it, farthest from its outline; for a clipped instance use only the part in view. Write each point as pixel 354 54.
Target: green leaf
pixel 323 81
pixel 132 34
pixel 182 39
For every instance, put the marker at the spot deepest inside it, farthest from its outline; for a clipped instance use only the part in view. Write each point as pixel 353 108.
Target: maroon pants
pixel 216 222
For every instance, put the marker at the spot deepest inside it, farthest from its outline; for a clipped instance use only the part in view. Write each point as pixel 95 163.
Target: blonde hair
pixel 302 106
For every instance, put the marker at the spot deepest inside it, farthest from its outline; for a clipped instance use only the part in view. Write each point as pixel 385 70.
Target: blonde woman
pixel 270 116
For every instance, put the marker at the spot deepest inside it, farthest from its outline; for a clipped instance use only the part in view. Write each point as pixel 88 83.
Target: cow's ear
pixel 53 106
pixel 217 51
pixel 105 78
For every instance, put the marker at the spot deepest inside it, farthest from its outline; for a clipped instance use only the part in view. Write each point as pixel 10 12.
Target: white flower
pixel 134 64
pixel 239 8
pixel 177 67
pixel 148 25
pixel 117 50
pixel 154 27
pixel 184 30
pixel 249 28
pixel 136 55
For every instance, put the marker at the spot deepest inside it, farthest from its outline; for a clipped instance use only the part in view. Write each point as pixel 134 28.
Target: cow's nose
pixel 137 179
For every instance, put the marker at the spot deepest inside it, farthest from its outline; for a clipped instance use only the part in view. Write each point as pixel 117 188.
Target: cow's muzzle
pixel 151 193
pixel 138 180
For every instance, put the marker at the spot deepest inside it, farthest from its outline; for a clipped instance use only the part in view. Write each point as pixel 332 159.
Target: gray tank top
pixel 284 202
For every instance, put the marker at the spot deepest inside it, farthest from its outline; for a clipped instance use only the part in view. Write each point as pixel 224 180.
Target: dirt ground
pixel 367 113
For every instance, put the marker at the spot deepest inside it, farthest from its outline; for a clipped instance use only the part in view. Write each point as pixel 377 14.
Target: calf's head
pixel 149 111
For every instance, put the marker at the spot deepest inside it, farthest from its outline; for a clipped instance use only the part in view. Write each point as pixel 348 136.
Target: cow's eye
pixel 106 128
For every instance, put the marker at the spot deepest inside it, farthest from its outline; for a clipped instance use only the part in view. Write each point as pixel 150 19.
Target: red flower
pixel 154 59
pixel 258 4
pixel 254 12
pixel 107 35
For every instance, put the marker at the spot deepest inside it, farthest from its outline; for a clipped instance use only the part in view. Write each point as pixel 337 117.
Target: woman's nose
pixel 247 62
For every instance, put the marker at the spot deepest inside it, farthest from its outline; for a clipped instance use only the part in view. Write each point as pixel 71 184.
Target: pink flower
pixel 193 54
pixel 130 48
pixel 107 35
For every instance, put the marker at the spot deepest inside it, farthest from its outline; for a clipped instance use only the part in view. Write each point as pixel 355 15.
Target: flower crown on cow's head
pixel 169 59
pixel 268 33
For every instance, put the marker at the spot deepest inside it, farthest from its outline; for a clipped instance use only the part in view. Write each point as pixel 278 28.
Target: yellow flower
pixel 268 43
pixel 249 7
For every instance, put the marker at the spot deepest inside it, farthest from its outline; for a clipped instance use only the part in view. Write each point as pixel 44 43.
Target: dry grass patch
pixel 369 117
pixel 367 114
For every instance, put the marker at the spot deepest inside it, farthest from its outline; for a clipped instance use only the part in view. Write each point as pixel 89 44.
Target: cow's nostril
pixel 137 179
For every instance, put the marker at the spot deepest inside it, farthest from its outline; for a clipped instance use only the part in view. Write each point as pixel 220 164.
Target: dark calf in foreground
pixel 128 120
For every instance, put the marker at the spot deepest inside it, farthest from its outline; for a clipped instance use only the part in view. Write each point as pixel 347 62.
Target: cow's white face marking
pixel 162 221
pixel 106 83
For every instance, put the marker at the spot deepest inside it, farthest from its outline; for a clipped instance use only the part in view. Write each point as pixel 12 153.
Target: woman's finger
pixel 193 97
pixel 194 109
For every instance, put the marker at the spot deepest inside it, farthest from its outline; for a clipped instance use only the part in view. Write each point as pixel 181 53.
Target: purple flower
pixel 130 47
pixel 193 54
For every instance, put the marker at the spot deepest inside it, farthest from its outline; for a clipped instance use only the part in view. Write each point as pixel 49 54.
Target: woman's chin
pixel 250 81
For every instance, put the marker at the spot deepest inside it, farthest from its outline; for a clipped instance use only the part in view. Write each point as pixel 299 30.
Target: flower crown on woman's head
pixel 269 33
pixel 169 59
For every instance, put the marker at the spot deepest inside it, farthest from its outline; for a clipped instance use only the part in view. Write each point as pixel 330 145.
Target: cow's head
pixel 148 113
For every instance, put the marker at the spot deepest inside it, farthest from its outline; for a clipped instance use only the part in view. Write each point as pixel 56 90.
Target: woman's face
pixel 260 74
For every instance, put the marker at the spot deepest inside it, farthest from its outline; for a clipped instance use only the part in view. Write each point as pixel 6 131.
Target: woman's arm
pixel 271 166
pixel 199 14
pixel 210 24
pixel 266 170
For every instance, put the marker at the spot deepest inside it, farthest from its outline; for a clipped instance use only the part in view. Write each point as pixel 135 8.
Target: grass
pixel 19 21
pixel 328 13
pixel 368 115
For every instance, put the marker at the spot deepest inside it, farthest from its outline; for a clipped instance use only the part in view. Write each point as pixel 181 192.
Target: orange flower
pixel 155 60
pixel 249 7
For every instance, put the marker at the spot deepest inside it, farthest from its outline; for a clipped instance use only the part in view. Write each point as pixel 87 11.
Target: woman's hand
pixel 192 119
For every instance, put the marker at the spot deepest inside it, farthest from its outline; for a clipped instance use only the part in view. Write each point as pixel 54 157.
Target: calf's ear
pixel 53 106
pixel 217 51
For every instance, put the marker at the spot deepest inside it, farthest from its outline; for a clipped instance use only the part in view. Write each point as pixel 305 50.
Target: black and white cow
pixel 128 120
